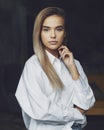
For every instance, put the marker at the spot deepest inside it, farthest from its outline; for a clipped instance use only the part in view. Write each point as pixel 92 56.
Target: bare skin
pixel 67 57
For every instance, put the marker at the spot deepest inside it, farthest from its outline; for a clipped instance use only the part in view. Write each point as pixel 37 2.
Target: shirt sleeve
pixel 36 104
pixel 83 94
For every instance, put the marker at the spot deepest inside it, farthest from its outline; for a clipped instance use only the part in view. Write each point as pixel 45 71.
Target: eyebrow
pixel 55 27
pixel 45 26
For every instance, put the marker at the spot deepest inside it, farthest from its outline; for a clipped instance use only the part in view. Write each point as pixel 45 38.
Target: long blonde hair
pixel 39 48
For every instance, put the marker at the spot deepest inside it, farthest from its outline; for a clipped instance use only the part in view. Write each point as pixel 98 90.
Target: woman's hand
pixel 68 59
pixel 66 55
pixel 81 110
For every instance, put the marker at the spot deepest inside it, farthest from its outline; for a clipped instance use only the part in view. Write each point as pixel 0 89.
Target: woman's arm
pixel 36 104
pixel 83 96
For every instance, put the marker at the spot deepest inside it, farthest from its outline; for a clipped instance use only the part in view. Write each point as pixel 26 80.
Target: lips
pixel 53 42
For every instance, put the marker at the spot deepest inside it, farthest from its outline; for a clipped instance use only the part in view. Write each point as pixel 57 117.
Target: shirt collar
pixel 51 57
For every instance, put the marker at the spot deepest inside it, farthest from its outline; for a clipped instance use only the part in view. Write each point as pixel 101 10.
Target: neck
pixel 54 52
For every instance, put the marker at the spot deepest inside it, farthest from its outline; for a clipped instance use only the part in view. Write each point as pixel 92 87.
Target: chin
pixel 55 47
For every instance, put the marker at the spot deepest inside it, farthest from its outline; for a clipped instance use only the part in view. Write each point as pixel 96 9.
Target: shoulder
pixel 32 64
pixel 78 64
pixel 80 68
pixel 33 60
pixel 32 68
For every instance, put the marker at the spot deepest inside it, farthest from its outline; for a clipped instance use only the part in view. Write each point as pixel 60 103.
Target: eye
pixel 45 29
pixel 59 28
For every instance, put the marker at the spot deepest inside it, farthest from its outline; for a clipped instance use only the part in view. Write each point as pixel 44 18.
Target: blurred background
pixel 86 42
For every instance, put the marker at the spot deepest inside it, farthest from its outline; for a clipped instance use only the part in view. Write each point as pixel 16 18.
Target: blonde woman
pixel 53 91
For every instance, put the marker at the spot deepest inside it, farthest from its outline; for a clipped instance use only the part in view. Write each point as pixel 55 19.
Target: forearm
pixel 65 114
pixel 73 71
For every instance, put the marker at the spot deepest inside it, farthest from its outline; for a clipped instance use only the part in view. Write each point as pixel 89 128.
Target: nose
pixel 53 35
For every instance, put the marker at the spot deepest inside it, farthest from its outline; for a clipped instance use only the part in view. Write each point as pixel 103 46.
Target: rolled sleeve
pixel 83 94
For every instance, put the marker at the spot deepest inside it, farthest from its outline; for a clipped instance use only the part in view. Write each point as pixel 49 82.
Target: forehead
pixel 54 20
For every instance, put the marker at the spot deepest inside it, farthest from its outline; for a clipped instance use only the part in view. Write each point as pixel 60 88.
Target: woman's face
pixel 53 33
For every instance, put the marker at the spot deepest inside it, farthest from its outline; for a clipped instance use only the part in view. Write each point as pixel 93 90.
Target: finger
pixel 62 48
pixel 65 55
pixel 62 51
pixel 66 51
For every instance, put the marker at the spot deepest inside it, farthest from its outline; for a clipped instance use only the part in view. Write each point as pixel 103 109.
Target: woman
pixel 53 90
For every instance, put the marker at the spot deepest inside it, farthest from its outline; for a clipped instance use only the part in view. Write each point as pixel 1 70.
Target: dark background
pixel 86 24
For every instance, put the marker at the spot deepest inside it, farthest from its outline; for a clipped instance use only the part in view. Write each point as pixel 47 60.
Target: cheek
pixel 43 36
pixel 62 38
pixel 44 39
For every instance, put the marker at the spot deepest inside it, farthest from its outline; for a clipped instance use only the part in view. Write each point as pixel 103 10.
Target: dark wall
pixel 13 50
pixel 86 19
pixel 16 25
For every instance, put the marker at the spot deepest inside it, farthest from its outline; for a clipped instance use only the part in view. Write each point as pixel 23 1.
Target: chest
pixel 63 96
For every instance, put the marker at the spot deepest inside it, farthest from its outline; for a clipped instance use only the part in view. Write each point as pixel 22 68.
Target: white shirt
pixel 45 108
